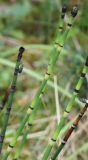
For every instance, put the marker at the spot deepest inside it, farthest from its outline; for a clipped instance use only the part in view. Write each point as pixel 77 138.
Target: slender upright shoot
pixel 57 47
pixel 18 69
pixel 20 147
pixel 71 129
pixel 68 109
pixel 60 28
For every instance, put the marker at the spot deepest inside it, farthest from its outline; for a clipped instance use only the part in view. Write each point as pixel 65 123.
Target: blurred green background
pixel 32 24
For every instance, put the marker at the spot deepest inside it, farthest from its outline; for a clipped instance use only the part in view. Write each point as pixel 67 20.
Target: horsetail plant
pixel 71 129
pixel 68 109
pixel 21 145
pixel 58 45
pixel 19 149
pixel 18 69
pixel 47 76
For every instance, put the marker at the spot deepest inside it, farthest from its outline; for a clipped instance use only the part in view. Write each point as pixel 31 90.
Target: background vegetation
pixel 32 23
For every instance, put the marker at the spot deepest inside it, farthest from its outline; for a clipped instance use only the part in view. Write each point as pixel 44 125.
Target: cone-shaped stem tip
pixel 74 11
pixel 64 8
pixel 21 49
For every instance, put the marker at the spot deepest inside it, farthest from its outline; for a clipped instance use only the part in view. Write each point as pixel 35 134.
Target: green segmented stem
pixel 19 150
pixel 57 49
pixel 36 99
pixel 31 118
pixel 21 145
pixel 69 108
pixel 18 70
pixel 69 132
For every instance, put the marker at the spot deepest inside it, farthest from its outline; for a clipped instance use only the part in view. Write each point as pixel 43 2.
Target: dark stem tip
pixel 21 49
pixel 74 11
pixel 64 8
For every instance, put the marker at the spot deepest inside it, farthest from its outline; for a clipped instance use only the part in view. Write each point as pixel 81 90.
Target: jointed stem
pixel 69 132
pixel 18 69
pixel 21 145
pixel 54 55
pixel 34 105
pixel 18 151
pixel 68 109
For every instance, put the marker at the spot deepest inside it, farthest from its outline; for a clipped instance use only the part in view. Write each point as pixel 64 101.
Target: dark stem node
pixel 13 88
pixel 64 8
pixel 1 139
pixel 74 11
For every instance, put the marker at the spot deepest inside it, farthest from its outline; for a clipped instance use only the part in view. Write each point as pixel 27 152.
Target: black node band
pixel 29 124
pixel 62 16
pixel 60 27
pixel 53 140
pixel 74 11
pixel 11 146
pixel 58 44
pixel 83 74
pixel 1 139
pixel 13 88
pixel 69 24
pixel 48 73
pixel 31 107
pixel 64 8
pixel 8 110
pixel 81 114
pixel 16 71
pixel 67 111
pixel 63 142
pixel 42 92
pixel 76 90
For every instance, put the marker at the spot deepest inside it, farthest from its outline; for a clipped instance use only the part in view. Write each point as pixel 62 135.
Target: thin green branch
pixel 58 45
pixel 18 69
pixel 68 109
pixel 19 150
pixel 69 132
